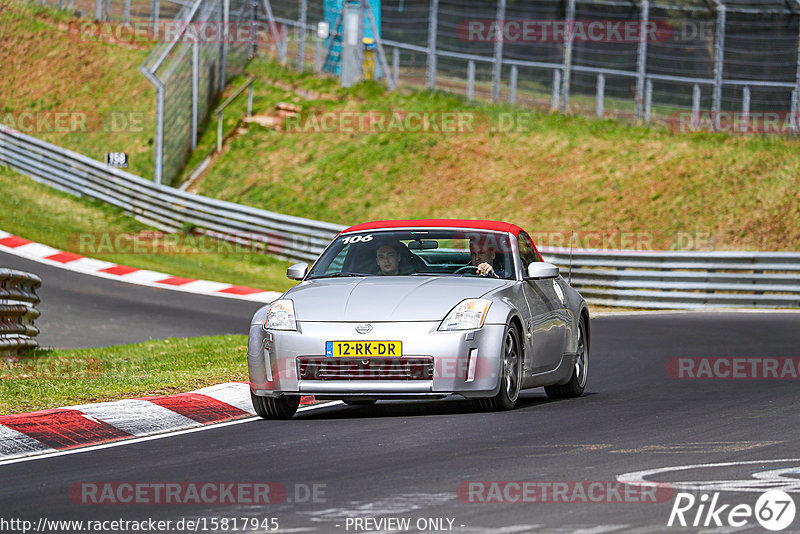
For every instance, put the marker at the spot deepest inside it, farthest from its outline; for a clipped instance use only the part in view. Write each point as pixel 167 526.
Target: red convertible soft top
pixel 439 223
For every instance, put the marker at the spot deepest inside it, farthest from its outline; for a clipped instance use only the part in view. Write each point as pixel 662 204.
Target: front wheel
pixel 511 375
pixel 275 407
pixel 577 382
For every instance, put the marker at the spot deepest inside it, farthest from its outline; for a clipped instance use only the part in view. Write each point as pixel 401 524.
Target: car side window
pixel 527 252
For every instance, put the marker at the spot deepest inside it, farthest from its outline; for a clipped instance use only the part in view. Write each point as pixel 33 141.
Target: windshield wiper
pixel 338 275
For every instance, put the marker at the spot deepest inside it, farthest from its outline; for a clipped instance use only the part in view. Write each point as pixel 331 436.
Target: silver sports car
pixel 420 309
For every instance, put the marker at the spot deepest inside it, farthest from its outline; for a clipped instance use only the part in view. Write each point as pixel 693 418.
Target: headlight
pixel 280 316
pixel 468 315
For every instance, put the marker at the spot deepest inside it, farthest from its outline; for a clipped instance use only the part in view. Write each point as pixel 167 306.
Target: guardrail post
pixel 601 93
pixel 565 82
pixel 497 67
pixel 554 101
pixel 648 99
pixel 512 85
pixel 696 106
pixel 745 108
pixel 470 80
pixel 301 39
pixel 433 23
pixel 719 57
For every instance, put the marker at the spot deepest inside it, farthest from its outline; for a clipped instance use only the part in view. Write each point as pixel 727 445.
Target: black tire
pixel 580 372
pixel 510 375
pixel 359 402
pixel 275 407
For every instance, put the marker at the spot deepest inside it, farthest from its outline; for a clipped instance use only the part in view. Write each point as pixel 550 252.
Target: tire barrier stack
pixel 18 300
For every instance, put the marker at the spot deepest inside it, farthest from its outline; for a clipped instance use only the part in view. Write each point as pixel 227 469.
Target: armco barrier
pixel 683 279
pixel 614 278
pixel 18 302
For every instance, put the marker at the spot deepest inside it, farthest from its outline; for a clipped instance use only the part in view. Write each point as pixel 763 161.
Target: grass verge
pixel 60 377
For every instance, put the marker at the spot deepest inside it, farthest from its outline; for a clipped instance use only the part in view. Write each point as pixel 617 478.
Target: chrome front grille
pixel 322 368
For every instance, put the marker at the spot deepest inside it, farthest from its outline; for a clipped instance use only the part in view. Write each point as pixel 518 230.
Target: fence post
pixel 565 82
pixel 98 10
pixel 127 15
pixel 719 57
pixel 556 89
pixel 158 166
pixel 470 80
pixel 641 57
pixel 301 39
pixel 396 65
pixel 154 13
pixel 250 99
pixel 795 110
pixel 317 53
pixel 601 93
pixel 497 67
pixel 696 106
pixel 512 85
pixel 433 25
pixel 223 64
pixel 195 90
pixel 219 131
pixel 745 108
pixel 648 99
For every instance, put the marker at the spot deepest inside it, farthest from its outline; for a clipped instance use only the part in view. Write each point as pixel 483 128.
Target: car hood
pixel 375 299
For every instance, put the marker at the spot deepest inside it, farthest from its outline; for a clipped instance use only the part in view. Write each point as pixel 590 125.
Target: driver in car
pixel 482 255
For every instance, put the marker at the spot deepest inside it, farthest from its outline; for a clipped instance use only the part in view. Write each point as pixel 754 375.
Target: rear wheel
pixel 577 382
pixel 511 375
pixel 275 407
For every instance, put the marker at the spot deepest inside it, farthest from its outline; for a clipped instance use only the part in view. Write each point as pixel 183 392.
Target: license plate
pixel 361 349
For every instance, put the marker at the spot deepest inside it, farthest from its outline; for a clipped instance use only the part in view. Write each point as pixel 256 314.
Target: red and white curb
pixel 71 427
pixel 75 262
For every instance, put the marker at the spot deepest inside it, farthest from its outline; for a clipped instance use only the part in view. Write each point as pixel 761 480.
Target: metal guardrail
pixel 613 278
pixel 18 302
pixel 164 207
pixel 683 279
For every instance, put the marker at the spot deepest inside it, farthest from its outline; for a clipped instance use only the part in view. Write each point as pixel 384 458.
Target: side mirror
pixel 538 270
pixel 297 271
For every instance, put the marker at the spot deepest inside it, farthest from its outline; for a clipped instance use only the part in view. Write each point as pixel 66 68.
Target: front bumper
pixel 466 362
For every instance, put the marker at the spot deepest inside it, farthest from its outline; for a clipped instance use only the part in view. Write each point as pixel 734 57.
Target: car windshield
pixel 435 252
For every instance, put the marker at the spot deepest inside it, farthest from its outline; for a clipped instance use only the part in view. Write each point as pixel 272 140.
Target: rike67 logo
pixel 774 510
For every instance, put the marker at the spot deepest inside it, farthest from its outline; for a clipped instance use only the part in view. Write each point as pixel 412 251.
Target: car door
pixel 548 319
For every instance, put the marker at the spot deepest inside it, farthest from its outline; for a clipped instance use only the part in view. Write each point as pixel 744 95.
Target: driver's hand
pixel 484 269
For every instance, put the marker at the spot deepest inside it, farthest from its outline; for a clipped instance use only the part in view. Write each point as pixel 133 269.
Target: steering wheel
pixel 464 270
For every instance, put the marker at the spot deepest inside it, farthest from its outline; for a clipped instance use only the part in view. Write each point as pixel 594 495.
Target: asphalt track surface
pixel 80 310
pixel 407 460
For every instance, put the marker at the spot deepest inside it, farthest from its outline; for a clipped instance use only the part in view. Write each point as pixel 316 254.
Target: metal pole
pixel 98 10
pixel 648 100
pixel 362 16
pixel 795 110
pixel 745 108
pixel 696 106
pixel 195 90
pixel 433 23
pixel 396 65
pixel 273 28
pixel 512 85
pixel 219 131
pixel 381 52
pixel 565 82
pixel 254 22
pixel 601 94
pixel 223 66
pixel 641 57
pixel 127 14
pixel 318 53
pixel 331 39
pixel 470 80
pixel 301 38
pixel 106 14
pixel 719 57
pixel 154 12
pixel 159 136
pixel 498 50
pixel 556 89
pixel 250 99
